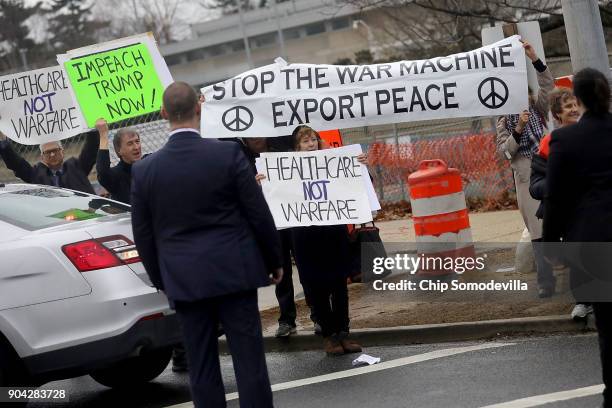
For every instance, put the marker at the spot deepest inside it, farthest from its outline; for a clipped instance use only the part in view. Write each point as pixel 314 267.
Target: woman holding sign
pixel 324 279
pixel 325 276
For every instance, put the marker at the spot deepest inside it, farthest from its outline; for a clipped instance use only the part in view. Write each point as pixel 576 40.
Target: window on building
pixel 238 46
pixel 340 23
pixel 174 59
pixel 316 28
pixel 196 54
pixel 264 40
pixel 216 50
pixel 291 34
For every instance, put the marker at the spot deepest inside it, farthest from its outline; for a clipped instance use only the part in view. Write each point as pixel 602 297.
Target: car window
pixel 38 208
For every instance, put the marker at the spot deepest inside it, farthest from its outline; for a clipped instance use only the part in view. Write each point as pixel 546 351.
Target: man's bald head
pixel 180 102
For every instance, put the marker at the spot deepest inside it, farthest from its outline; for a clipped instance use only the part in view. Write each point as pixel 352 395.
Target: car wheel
pixel 134 371
pixel 3 369
pixel 12 372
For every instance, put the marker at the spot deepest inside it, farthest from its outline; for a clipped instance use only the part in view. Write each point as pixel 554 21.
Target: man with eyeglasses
pixel 53 170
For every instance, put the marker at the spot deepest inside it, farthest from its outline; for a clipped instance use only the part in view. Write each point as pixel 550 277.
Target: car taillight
pixel 90 255
pixel 122 247
pixel 101 253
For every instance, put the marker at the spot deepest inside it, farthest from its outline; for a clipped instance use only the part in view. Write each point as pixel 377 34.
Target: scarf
pixel 532 133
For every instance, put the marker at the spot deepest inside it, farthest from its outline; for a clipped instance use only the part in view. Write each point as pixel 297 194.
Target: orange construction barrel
pixel 440 216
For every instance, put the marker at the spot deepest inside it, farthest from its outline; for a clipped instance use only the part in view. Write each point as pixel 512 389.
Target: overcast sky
pixel 189 12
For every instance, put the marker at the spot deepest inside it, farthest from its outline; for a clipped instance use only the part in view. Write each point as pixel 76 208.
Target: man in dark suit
pixel 117 181
pixel 53 170
pixel 207 239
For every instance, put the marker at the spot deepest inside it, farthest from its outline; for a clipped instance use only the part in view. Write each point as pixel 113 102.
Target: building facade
pixel 313 31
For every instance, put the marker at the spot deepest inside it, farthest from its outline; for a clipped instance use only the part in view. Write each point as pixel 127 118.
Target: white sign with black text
pixel 274 99
pixel 36 107
pixel 323 187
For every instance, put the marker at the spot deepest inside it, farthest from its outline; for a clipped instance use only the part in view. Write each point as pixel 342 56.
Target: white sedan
pixel 74 297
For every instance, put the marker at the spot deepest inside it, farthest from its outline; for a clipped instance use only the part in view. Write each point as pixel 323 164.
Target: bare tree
pixel 123 18
pixel 160 17
pixel 419 28
pixel 227 6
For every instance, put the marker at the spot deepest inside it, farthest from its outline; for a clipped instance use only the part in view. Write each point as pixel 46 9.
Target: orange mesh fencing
pixel 486 176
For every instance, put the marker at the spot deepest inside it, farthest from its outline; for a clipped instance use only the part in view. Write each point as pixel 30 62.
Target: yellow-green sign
pixel 115 84
pixel 76 214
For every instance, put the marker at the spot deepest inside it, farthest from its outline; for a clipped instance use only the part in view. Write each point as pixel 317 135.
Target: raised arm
pixel 104 174
pixel 546 81
pixel 13 161
pixel 88 155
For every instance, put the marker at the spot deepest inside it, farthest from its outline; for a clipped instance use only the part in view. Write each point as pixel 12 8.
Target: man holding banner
pixel 518 139
pixel 53 170
pixel 36 108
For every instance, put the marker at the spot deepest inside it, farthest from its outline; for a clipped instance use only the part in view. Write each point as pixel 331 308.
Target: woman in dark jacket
pixel 565 111
pixel 579 205
pixel 324 277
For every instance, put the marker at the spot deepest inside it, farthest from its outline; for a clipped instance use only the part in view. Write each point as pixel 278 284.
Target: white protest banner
pixel 323 187
pixel 273 100
pixel 117 80
pixel 36 107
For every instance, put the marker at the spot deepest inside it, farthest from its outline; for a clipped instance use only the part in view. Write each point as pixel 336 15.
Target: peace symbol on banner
pixel 493 93
pixel 237 118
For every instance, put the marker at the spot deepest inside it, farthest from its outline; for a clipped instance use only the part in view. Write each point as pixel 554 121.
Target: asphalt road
pixel 467 374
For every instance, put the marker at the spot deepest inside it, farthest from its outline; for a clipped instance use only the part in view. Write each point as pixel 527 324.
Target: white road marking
pixel 432 355
pixel 538 400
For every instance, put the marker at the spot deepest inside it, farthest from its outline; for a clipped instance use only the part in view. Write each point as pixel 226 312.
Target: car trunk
pixel 34 270
pixel 123 228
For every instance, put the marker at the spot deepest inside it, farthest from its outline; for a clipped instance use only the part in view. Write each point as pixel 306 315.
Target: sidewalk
pixel 498 226
pixel 495 226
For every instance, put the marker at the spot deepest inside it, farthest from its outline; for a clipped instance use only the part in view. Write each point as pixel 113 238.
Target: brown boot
pixel 332 346
pixel 350 346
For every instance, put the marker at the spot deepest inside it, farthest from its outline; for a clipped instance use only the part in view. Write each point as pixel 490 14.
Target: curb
pixel 432 333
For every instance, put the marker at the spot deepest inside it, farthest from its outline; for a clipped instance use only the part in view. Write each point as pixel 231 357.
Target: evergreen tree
pixel 71 24
pixel 14 33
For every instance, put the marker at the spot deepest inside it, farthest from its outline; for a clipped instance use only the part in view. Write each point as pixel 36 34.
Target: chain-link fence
pixel 394 152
